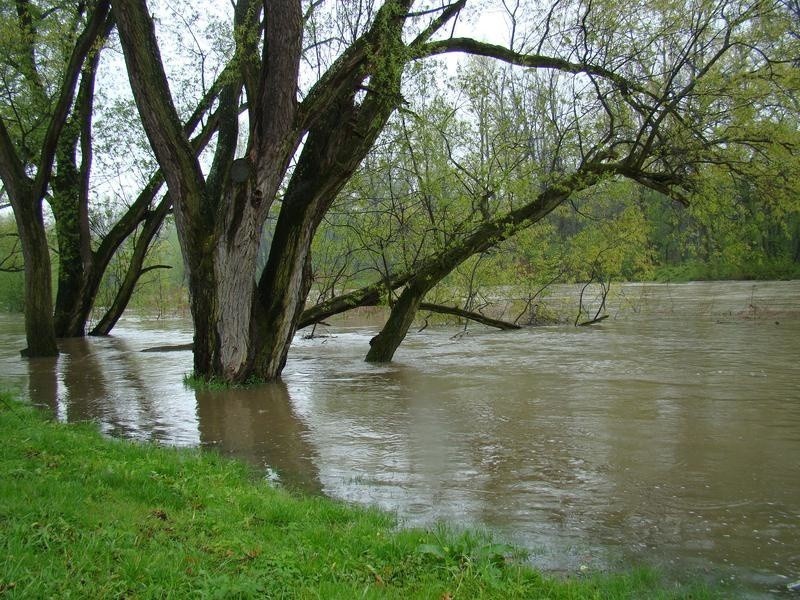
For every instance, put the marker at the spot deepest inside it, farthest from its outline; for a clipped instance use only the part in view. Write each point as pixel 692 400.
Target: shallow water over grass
pixel 669 434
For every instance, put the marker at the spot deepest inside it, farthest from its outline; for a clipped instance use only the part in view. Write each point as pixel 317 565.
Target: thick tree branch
pixel 468 314
pixel 534 61
pixel 12 170
pixel 369 295
pixel 160 119
pixel 99 22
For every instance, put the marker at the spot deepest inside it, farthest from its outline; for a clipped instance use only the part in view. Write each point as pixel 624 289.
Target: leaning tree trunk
pixel 152 224
pixel 490 233
pixel 283 289
pixel 334 147
pixel 330 156
pixel 383 346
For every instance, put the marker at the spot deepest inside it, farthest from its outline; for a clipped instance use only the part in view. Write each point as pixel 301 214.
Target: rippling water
pixel 668 435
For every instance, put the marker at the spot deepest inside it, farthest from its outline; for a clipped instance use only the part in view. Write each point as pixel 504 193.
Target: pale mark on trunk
pixel 235 265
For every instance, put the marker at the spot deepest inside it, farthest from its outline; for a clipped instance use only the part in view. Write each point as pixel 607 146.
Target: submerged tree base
pixel 202 383
pixel 91 517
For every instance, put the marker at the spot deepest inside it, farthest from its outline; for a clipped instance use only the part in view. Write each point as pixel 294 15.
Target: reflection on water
pixel 260 424
pixel 670 434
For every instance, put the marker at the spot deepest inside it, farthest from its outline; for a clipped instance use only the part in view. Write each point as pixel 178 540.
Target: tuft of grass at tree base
pixel 83 516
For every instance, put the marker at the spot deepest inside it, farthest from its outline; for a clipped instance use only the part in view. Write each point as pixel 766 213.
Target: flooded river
pixel 668 434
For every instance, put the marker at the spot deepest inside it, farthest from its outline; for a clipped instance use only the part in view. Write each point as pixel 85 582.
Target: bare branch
pixel 534 61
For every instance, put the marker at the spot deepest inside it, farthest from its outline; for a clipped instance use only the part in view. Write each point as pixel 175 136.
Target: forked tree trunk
pixel 331 154
pixel 241 331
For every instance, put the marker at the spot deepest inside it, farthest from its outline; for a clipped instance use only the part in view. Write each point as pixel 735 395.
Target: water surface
pixel 668 434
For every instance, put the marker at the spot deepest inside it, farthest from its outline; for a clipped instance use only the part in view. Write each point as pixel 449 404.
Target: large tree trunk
pixel 39 330
pixel 333 150
pixel 218 225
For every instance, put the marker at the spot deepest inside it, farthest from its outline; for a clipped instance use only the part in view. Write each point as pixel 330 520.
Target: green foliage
pixel 159 291
pixel 37 42
pixel 84 516
pixel 12 291
pixel 438 174
pixel 162 291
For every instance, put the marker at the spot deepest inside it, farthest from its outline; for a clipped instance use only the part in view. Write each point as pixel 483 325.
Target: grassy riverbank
pixel 88 517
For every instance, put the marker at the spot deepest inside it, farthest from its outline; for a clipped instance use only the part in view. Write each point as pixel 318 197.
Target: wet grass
pixel 215 384
pixel 89 517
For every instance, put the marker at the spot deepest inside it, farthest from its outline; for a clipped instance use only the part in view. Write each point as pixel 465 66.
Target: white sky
pixel 114 176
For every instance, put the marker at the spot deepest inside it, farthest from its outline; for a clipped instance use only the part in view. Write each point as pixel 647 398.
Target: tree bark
pixel 39 330
pixel 385 344
pixel 333 149
pixel 219 226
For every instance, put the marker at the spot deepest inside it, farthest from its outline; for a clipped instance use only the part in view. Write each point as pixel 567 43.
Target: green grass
pixel 83 516
pixel 200 383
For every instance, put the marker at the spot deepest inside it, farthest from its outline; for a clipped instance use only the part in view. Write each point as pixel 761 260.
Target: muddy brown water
pixel 667 435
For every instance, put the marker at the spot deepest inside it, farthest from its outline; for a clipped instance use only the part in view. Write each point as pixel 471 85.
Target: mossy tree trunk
pixel 39 330
pixel 333 149
pixel 70 205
